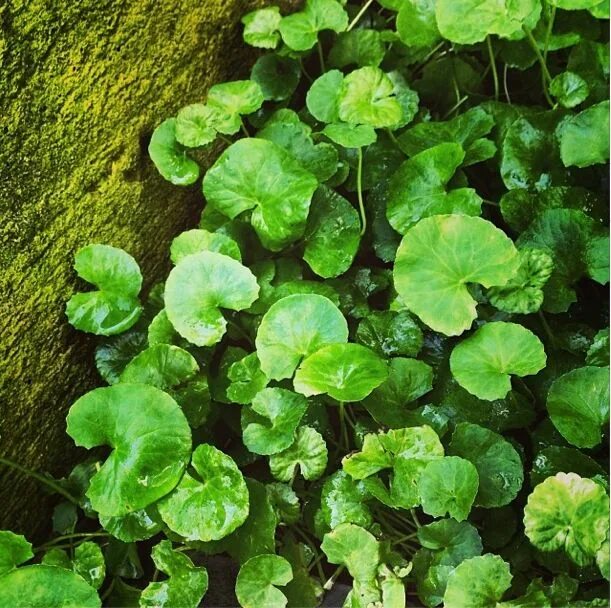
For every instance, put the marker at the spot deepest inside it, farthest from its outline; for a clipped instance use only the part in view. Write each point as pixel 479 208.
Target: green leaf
pixel 89 563
pixel 408 379
pixel 372 458
pixel 523 293
pixel 294 328
pixel 584 138
pixel 261 27
pixel 199 286
pixel 570 513
pixel 247 379
pixel 333 234
pixel 163 366
pixel 14 550
pixel 308 452
pixel 530 153
pixel 186 585
pixel 300 30
pixel 483 362
pixel 390 333
pixel 304 590
pixel 470 21
pixel 47 586
pixel 355 548
pixel 498 465
pixel 574 5
pixel 257 581
pixel 598 352
pixel 578 404
pixel 270 424
pixel 151 442
pixel 416 23
pixel 366 97
pixel 258 174
pixel 346 372
pixel 322 99
pixel 231 100
pixel 195 125
pixel 285 502
pixel 210 505
pixel 114 308
pixel 569 89
pixel 113 354
pixel 450 542
pixel 277 76
pixel 448 485
pixel 558 459
pixel 360 47
pixel 342 501
pixel 196 241
pixel 568 236
pixel 437 257
pixel 418 188
pixel 170 157
pixel 479 582
pixel 350 135
pixel 467 130
pixel 137 525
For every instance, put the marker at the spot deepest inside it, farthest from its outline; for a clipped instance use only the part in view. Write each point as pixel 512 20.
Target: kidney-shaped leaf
pixel 478 582
pixel 295 327
pixel 570 513
pixel 48 586
pixel 578 404
pixel 196 241
pixel 497 462
pixel 114 307
pixel 258 174
pixel 439 256
pixel 151 443
pixel 347 372
pixel 308 452
pixel 261 27
pixel 483 362
pixel 269 425
pixel 258 578
pixel 199 286
pixel 210 505
pixel 14 550
pixel 185 586
pixel 418 188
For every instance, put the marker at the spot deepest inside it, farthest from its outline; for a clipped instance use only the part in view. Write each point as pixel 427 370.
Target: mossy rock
pixel 82 85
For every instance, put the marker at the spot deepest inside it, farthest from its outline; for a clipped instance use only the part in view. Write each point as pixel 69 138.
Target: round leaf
pixel 355 548
pixel 210 506
pixel 322 99
pixel 350 135
pixel 347 372
pixel 416 24
pixel 198 287
pixel 294 328
pixel 342 501
pixel 170 157
pixel 479 582
pixel 231 100
pixel 277 76
pixel 258 174
pixel 483 362
pixel 366 97
pixel 569 89
pixel 14 550
pixel 138 525
pixel 308 452
pixel 498 464
pixel 195 125
pixel 578 404
pixel 257 581
pixel 437 257
pixel 151 442
pixel 196 241
pixel 448 485
pixel 46 586
pixel 390 333
pixel 269 425
pixel 261 27
pixel 418 188
pixel 568 512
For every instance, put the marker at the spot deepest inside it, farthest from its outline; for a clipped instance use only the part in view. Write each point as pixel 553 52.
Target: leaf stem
pixel 415 518
pixel 505 87
pixel 548 32
pixel 545 75
pixel 243 127
pixel 358 16
pixel 321 57
pixel 50 483
pixel 359 190
pixel 109 589
pixel 495 74
pixel 343 429
pixel 331 580
pixel 547 328
pixel 51 544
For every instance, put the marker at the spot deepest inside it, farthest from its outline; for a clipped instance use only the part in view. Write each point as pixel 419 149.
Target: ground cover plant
pixel 381 358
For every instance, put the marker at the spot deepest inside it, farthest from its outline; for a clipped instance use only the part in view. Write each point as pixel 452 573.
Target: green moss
pixel 82 84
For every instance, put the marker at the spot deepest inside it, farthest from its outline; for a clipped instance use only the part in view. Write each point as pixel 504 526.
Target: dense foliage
pixel 382 357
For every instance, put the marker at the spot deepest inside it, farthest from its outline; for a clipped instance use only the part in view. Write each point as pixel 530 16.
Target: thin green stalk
pixel 343 429
pixel 321 57
pixel 548 32
pixel 359 190
pixel 44 480
pixel 359 14
pixel 244 129
pixel 455 106
pixel 505 87
pixel 392 137
pixel 109 590
pixel 495 74
pixel 545 75
pixel 241 331
pixel 548 329
pixel 304 71
pixel 60 539
pixel 415 518
pixel 331 580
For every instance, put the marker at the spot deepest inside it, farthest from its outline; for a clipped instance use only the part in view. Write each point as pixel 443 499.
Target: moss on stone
pixel 82 84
